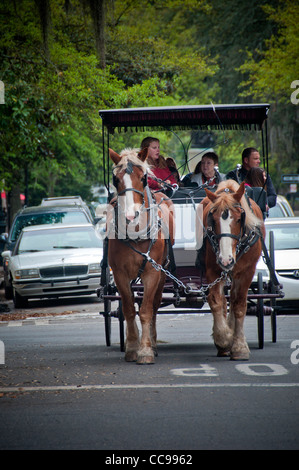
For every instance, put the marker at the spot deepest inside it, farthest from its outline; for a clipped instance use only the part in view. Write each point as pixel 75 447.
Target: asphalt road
pixel 61 387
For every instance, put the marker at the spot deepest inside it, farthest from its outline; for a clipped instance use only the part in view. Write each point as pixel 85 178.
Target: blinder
pixel 211 224
pixel 129 171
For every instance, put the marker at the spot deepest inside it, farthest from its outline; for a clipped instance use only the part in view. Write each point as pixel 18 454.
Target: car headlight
pixel 95 268
pixel 27 274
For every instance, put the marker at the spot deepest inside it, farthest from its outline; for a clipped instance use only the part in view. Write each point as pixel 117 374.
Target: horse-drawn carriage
pixel 154 253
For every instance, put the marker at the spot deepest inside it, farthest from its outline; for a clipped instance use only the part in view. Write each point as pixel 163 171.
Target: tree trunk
pixel 44 11
pixel 97 9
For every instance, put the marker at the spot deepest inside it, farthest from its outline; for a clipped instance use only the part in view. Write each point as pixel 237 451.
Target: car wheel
pixel 8 290
pixel 19 301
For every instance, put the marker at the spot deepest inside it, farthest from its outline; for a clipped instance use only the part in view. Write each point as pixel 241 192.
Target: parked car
pixel 53 261
pixel 69 200
pixel 39 215
pixel 281 209
pixel 286 258
pixel 62 200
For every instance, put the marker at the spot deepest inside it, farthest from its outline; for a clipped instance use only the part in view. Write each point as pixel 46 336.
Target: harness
pixel 245 239
pixel 154 225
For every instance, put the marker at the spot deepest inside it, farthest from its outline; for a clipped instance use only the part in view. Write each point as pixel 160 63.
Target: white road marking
pixel 61 388
pixel 253 369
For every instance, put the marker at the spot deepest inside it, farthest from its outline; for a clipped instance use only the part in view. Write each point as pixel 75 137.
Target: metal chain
pixel 224 276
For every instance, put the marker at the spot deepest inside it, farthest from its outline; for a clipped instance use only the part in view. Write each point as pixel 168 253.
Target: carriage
pixel 186 288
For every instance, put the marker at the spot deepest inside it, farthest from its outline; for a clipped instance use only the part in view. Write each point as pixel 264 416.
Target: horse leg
pixel 222 334
pixel 238 307
pixel 147 315
pixel 132 333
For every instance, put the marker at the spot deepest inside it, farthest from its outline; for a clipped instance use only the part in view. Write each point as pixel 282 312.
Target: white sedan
pixel 286 258
pixel 54 261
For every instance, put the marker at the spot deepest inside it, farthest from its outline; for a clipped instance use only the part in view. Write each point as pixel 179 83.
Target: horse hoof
pixel 239 356
pixel 142 360
pixel 223 352
pixel 131 356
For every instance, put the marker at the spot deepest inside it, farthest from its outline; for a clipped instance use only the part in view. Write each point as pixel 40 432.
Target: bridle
pixel 211 223
pixel 153 220
pixel 129 171
pixel 244 239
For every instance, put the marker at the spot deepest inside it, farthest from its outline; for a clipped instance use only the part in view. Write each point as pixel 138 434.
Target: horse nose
pixel 131 215
pixel 226 262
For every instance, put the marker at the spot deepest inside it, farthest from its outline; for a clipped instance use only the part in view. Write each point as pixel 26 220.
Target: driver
pixel 251 159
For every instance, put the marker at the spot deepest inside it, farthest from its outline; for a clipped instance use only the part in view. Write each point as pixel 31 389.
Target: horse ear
pixel 210 195
pixel 240 192
pixel 143 154
pixel 114 156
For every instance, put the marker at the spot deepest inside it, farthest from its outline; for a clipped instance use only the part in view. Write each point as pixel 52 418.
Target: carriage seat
pixel 259 196
pixel 189 195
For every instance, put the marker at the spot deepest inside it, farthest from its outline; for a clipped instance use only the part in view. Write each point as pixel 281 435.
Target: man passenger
pixel 250 159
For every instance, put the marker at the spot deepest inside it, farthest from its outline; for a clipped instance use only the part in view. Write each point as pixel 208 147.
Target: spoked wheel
pixel 260 311
pixel 107 309
pixel 272 289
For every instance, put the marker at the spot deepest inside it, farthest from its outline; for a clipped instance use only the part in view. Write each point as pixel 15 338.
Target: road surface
pixel 61 387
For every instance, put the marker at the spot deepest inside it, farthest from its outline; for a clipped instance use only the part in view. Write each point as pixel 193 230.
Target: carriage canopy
pixel 228 116
pixel 243 117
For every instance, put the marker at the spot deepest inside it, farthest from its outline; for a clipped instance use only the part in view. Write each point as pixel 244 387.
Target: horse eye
pixel 224 214
pixel 115 181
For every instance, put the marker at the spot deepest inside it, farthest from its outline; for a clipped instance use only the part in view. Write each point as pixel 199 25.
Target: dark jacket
pixel 240 175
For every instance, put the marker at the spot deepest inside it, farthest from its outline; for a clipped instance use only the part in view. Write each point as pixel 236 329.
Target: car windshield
pixel 70 217
pixel 286 237
pixel 55 239
pixel 276 211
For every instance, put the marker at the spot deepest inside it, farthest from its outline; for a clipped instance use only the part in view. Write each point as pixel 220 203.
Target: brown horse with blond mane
pixel 233 246
pixel 140 225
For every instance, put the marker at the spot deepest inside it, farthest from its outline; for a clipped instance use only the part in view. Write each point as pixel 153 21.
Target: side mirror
pixel 6 254
pixel 4 237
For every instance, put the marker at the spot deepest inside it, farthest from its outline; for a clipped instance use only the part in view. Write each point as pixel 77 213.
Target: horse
pixel 143 232
pixel 234 228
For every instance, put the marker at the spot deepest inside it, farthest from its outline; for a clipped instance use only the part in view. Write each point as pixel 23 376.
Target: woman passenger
pixel 205 172
pixel 158 164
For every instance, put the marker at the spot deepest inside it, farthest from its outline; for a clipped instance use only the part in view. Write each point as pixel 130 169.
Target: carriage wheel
pixel 272 289
pixel 107 309
pixel 260 312
pixel 121 327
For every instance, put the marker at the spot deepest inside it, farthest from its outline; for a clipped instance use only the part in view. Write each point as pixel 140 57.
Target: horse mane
pixel 130 154
pixel 226 200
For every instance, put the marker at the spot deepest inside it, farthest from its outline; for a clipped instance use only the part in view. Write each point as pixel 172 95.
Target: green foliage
pixel 50 121
pixel 277 66
pixel 158 52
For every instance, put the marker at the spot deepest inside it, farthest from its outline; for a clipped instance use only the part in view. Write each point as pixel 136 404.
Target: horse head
pixel 130 180
pixel 226 223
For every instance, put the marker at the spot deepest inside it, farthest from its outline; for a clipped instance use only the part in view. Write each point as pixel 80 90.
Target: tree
pixel 55 86
pixel 270 75
pixel 277 66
